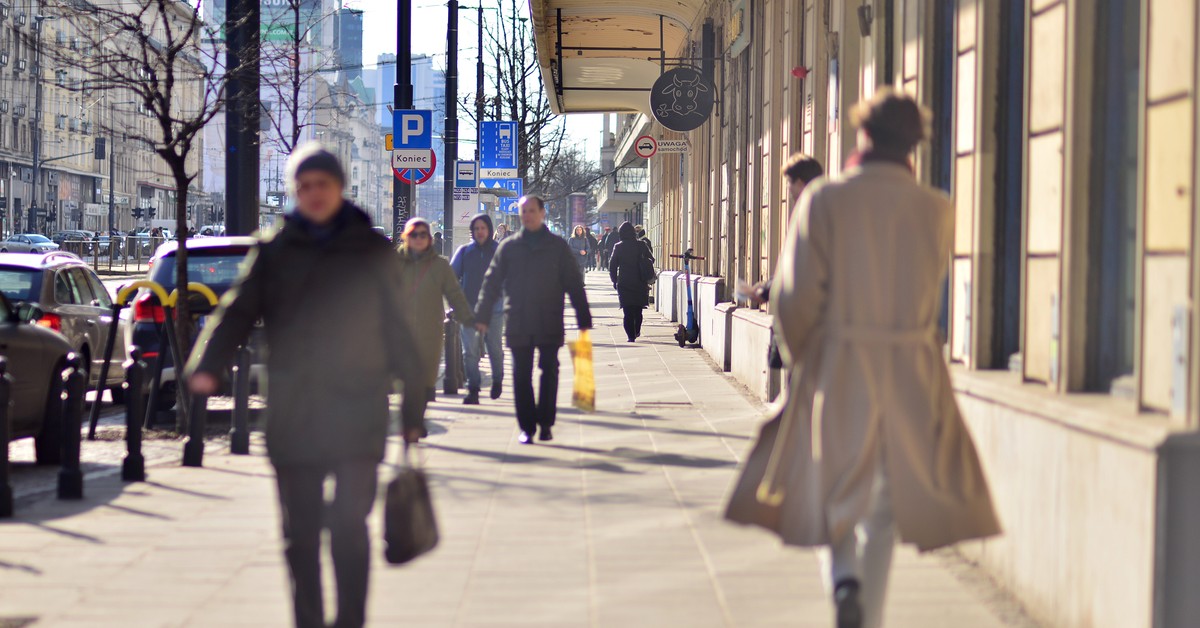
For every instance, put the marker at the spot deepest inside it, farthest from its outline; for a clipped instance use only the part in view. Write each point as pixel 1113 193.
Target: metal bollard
pixel 151 409
pixel 239 436
pixel 193 449
pixel 453 379
pixel 70 477
pixel 6 494
pixel 133 467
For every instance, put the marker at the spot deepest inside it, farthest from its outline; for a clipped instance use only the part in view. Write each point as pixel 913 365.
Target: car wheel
pixel 118 394
pixel 3 250
pixel 47 445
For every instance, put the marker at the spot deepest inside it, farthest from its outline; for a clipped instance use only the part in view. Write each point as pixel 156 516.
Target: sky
pixel 429 37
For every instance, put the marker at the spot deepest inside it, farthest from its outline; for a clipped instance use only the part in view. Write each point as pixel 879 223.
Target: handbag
pixel 410 527
pixel 646 269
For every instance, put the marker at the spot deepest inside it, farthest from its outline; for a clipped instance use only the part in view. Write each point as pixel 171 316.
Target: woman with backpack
pixel 631 269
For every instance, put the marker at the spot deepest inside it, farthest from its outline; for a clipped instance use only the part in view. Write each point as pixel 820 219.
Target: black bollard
pixel 239 436
pixel 193 449
pixel 70 477
pixel 100 385
pixel 160 362
pixel 453 379
pixel 6 494
pixel 133 467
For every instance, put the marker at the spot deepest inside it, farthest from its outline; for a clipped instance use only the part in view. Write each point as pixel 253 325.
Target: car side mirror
pixel 29 312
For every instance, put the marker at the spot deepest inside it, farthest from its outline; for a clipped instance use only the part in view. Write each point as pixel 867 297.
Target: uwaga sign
pixel 682 99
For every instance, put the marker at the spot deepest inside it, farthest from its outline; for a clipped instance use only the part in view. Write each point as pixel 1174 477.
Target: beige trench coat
pixel 856 300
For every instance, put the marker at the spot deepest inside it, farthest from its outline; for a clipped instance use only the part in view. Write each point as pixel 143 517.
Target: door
pixel 103 304
pixel 73 298
pixel 21 345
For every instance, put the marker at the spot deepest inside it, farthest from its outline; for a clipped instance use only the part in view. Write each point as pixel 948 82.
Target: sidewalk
pixel 617 523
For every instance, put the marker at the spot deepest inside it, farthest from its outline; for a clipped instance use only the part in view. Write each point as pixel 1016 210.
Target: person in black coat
pixel 630 267
pixel 641 236
pixel 533 270
pixel 607 243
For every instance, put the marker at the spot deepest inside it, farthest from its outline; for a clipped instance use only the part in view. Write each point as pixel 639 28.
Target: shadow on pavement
pixel 665 430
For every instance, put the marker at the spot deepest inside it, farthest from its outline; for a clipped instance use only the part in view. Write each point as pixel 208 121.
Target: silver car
pixel 73 302
pixel 27 243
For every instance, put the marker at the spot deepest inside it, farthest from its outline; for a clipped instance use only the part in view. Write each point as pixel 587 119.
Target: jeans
pixel 305 513
pixel 866 554
pixel 633 321
pixel 531 414
pixel 471 353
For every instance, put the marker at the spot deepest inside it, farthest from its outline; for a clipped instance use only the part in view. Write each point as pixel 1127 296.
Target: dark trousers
pixel 530 413
pixel 305 513
pixel 633 322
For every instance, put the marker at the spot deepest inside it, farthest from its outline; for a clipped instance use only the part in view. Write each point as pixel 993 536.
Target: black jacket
pixel 471 261
pixel 329 375
pixel 625 269
pixel 534 270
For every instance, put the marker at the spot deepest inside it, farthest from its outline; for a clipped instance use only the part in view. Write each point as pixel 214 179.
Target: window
pixel 1006 336
pixel 82 287
pixel 100 293
pixel 1113 224
pixel 21 284
pixel 63 291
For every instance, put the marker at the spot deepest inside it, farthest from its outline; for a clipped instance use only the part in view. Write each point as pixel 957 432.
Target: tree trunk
pixel 183 311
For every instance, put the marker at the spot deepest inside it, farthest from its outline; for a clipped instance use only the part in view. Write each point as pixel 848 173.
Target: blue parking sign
pixel 412 129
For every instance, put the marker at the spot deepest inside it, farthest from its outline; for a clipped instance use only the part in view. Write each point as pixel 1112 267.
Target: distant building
pixel 349 44
pixel 385 83
pixel 429 92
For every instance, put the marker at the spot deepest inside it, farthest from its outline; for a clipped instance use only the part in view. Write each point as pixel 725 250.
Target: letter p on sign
pixel 413 129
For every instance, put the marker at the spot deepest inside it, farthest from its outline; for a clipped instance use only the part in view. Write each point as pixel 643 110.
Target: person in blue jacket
pixel 470 263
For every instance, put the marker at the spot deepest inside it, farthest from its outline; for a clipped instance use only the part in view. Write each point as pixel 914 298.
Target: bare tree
pixel 291 62
pixel 148 51
pixel 520 95
pixel 573 173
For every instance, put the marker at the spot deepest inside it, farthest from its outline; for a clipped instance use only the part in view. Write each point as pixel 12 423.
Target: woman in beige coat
pixel 870 443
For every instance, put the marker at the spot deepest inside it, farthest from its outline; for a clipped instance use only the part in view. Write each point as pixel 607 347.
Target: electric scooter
pixel 691 331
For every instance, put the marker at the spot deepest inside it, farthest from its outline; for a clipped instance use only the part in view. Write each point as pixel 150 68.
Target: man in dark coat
pixel 534 269
pixel 329 379
pixel 641 235
pixel 607 243
pixel 630 269
pixel 470 263
pixel 593 249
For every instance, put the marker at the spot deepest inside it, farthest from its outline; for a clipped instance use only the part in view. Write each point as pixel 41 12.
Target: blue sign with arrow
pixel 507 205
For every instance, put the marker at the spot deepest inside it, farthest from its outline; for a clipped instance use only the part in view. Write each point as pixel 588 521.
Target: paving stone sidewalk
pixel 617 523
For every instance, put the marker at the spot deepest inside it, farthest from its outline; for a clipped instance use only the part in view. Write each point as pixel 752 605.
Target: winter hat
pixel 312 157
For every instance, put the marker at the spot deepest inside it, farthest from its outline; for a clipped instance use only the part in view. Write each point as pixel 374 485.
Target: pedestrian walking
pixel 534 269
pixel 330 380
pixel 641 235
pixel 607 243
pixel 470 263
pixel 871 444
pixel 428 279
pixel 593 250
pixel 579 247
pixel 501 232
pixel 439 245
pixel 631 270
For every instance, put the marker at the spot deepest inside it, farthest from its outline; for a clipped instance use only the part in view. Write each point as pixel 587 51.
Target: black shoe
pixel 632 338
pixel 497 388
pixel 849 609
pixel 472 398
pixel 546 434
pixel 525 438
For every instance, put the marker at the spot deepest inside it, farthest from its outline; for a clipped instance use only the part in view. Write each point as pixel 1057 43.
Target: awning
pixel 604 55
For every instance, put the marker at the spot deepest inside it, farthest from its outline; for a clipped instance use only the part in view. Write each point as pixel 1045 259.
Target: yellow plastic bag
pixel 584 395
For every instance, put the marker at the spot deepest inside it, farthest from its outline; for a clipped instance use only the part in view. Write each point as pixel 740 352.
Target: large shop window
pixel 1113 223
pixel 1010 129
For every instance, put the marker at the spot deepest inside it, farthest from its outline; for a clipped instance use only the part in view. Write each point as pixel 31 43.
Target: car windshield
pixel 215 267
pixel 38 239
pixel 21 284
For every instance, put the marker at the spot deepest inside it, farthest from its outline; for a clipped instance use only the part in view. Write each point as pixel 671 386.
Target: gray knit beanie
pixel 309 157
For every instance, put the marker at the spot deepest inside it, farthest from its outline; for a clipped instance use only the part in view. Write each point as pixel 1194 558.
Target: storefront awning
pixel 603 55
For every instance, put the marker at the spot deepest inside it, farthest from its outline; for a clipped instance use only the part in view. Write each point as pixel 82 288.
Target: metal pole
pixel 37 122
pixel 239 437
pixel 242 117
pixel 109 343
pixel 451 126
pixel 479 87
pixel 70 477
pixel 133 467
pixel 193 449
pixel 112 190
pixel 402 193
pixel 6 494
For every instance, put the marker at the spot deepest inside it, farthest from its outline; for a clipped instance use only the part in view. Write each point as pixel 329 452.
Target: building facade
pixel 1066 132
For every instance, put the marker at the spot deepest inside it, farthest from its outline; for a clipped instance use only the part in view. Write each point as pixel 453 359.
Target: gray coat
pixel 336 335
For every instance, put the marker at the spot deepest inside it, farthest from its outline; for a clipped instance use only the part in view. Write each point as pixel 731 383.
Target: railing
pixel 118 253
pixel 631 180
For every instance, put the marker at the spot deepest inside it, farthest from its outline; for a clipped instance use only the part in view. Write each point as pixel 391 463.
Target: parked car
pixel 36 357
pixel 73 302
pixel 214 262
pixel 27 243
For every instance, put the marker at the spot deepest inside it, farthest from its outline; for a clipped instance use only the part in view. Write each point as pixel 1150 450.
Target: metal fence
pixel 116 253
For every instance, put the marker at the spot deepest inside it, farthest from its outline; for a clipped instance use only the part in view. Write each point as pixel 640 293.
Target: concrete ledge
pixel 664 295
pixel 1074 481
pixel 719 331
pixel 751 332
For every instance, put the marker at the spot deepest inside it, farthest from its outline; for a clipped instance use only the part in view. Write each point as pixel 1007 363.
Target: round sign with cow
pixel 682 99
